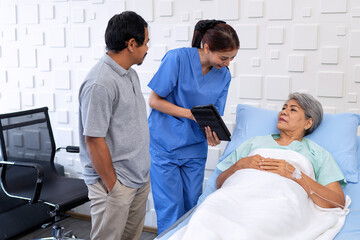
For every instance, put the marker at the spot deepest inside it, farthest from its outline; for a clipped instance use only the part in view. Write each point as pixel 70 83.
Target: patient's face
pixel 292 118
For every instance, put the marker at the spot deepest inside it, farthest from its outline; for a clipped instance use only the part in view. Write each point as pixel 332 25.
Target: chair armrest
pixel 39 177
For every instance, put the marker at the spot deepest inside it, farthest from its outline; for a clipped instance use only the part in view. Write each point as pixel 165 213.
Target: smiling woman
pixel 187 77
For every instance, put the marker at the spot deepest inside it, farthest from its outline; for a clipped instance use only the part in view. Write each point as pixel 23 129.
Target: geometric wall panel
pixel 10 33
pixel 277 87
pixel 81 37
pixel 275 35
pixel 64 137
pixel 182 33
pixel 228 9
pixel 305 36
pixel 13 99
pixel 12 57
pixel 340 31
pixel 61 79
pixel 357 73
pixel 8 13
pixel 279 9
pixel 145 78
pixel 354 46
pixel 55 37
pixel 296 63
pixel 29 14
pixel 78 15
pixel 28 57
pixel 250 86
pixel 46 99
pixel 28 99
pixel 333 6
pixel 47 11
pixel 62 116
pixel 248 35
pixel 355 12
pixel 330 84
pixel 159 52
pixel 144 8
pixel 329 55
pixel 166 8
pixel 255 9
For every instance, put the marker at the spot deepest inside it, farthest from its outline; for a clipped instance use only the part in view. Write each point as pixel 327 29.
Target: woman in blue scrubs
pixel 186 77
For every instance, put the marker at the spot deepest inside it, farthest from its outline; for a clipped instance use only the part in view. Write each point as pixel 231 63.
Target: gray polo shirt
pixel 112 106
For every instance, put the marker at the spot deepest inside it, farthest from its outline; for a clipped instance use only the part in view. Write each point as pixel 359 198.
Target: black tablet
pixel 207 115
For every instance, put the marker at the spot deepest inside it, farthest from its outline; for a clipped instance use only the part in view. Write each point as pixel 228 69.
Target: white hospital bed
pixel 337 133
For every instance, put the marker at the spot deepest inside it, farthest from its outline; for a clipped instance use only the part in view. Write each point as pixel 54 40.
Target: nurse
pixel 186 77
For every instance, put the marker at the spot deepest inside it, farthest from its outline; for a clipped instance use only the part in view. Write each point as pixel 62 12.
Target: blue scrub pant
pixel 176 186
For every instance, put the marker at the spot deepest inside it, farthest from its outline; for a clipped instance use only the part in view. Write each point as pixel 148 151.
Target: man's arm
pixel 101 160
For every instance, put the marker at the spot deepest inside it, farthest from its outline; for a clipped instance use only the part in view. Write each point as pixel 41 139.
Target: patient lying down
pixel 281 186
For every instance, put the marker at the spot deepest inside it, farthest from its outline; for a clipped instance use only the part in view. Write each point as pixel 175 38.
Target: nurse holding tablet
pixel 186 77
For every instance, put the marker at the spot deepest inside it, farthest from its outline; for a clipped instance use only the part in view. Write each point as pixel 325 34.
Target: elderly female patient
pixel 281 186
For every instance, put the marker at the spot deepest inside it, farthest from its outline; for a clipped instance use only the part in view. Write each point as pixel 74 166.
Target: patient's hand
pixel 279 166
pixel 250 162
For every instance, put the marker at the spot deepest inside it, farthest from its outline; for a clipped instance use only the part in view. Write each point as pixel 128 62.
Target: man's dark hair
pixel 123 27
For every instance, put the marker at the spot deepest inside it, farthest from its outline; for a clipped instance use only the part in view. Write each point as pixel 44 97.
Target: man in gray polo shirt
pixel 114 135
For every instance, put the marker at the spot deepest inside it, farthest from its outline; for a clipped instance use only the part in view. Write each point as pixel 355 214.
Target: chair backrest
pixel 27 136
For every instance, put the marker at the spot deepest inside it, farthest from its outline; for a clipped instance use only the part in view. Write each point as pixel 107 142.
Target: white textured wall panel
pixel 13 99
pixel 144 8
pixel 182 33
pixel 55 37
pixel 329 55
pixel 62 116
pixel 28 57
pixel 354 48
pixel 357 73
pixel 279 9
pixel 78 15
pixel 47 11
pixel 305 37
pixel 248 35
pixel 228 9
pixel 81 37
pixel 333 6
pixel 46 99
pixel 250 86
pixel 11 56
pixel 166 8
pixel 65 137
pixel 330 84
pixel 277 87
pixel 296 63
pixel 61 79
pixel 29 13
pixel 28 99
pixel 255 9
pixel 275 35
pixel 8 13
pixel 10 33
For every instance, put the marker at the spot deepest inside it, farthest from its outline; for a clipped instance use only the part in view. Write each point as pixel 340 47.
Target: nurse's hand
pixel 211 136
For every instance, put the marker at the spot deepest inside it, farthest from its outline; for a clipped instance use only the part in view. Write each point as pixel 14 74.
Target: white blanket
pixel 254 204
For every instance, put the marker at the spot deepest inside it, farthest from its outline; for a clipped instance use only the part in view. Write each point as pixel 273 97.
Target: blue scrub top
pixel 180 80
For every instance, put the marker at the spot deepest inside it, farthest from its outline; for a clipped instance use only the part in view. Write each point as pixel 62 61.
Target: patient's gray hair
pixel 311 107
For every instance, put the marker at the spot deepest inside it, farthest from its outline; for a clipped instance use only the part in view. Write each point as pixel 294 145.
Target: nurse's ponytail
pixel 218 35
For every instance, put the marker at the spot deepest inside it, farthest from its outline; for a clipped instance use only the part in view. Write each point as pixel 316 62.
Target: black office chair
pixel 28 171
